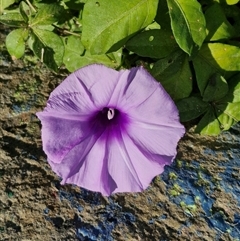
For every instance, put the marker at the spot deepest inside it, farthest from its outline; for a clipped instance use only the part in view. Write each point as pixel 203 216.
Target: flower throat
pixel 110 113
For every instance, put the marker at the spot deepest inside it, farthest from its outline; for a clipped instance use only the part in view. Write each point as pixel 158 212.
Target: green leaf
pixel 226 121
pixel 232 2
pixel 218 28
pixel 188 24
pixel 173 72
pixel 48 47
pixel 73 49
pixel 234 90
pixel 155 43
pixel 153 25
pixel 4 4
pixel 203 76
pixel 215 58
pixel 76 61
pixel 216 89
pixel 15 42
pixel 232 13
pixel 116 58
pixel 191 108
pixel 74 4
pixel 45 27
pixel 209 124
pixel 222 56
pixel 73 46
pixel 25 11
pixel 162 17
pixel 47 14
pixel 230 109
pixel 13 19
pixel 107 25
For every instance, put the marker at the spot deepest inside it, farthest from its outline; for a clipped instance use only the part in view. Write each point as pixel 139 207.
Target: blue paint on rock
pixel 110 218
pixel 187 177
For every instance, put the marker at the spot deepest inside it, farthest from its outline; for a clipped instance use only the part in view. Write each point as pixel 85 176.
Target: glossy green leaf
pixel 232 2
pixel 48 47
pixel 76 61
pixel 153 25
pixel 107 25
pixel 4 4
pixel 191 108
pixel 209 124
pixel 215 58
pixel 216 89
pixel 13 19
pixel 218 28
pixel 223 56
pixel 162 17
pixel 188 23
pixel 156 43
pixel 173 72
pixel 15 42
pixel 230 109
pixel 47 14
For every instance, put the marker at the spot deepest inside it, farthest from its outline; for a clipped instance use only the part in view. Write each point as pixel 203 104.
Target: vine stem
pixel 65 31
pixel 31 6
pixel 68 32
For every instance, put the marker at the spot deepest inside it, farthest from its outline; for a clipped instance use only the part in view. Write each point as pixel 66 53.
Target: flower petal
pixel 60 135
pixel 158 139
pixel 134 86
pixel 86 88
pixel 130 168
pixel 69 103
pixel 142 97
pixel 86 166
pixel 97 81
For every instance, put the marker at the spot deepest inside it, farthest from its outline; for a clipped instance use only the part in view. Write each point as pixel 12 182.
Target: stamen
pixel 110 113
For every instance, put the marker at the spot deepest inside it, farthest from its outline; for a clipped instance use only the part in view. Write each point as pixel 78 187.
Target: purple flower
pixel 110 131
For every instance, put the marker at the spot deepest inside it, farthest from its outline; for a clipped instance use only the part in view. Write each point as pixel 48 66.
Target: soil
pixel 197 198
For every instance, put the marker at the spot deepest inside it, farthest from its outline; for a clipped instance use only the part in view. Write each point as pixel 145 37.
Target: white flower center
pixel 110 113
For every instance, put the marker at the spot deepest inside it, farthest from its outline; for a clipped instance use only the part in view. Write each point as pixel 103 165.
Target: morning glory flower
pixel 110 131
